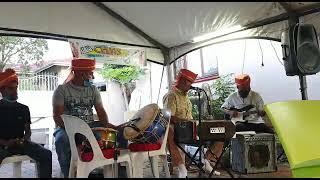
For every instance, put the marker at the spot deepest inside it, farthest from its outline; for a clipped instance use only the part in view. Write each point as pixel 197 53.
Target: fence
pixel 39 82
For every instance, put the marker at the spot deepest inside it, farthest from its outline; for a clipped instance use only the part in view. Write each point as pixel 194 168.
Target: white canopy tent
pixel 165 29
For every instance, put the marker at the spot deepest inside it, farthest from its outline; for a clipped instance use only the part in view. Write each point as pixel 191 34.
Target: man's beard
pixel 10 98
pixel 244 93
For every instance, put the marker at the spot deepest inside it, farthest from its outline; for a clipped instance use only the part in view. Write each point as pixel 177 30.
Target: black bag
pixel 184 132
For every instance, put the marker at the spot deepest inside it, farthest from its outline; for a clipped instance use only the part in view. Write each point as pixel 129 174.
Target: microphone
pixel 196 88
pixel 208 100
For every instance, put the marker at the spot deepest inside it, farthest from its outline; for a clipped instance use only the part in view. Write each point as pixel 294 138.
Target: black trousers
pixel 259 128
pixel 41 155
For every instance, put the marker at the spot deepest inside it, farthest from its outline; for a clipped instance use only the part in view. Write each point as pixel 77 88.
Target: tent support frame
pixel 310 9
pixel 129 25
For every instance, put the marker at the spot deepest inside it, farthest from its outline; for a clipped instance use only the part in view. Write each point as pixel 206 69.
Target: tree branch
pixel 21 49
pixel 2 52
pixel 5 56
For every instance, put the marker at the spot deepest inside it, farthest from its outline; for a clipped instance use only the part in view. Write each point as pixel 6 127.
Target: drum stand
pixel 115 157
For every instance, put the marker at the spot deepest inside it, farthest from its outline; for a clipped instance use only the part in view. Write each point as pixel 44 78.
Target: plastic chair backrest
pixel 75 125
pixel 297 126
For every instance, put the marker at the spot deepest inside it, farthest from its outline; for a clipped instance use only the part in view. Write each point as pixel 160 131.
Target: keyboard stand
pixel 199 164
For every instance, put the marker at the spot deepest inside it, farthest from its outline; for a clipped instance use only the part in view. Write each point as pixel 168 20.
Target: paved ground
pixel 28 171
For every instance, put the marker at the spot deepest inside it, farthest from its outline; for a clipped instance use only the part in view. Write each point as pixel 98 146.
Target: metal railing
pixel 39 82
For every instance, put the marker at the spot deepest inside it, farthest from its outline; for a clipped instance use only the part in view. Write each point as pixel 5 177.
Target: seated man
pixel 177 101
pixel 15 127
pixel 250 104
pixel 76 97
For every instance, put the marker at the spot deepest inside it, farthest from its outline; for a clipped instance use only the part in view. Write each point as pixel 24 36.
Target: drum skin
pixel 147 115
pixel 154 132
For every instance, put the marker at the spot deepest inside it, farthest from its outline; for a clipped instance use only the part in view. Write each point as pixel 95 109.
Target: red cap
pixel 83 64
pixel 242 80
pixel 189 75
pixel 8 76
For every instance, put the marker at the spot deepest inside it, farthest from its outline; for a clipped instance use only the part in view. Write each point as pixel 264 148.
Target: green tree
pixel 221 89
pixel 21 50
pixel 125 75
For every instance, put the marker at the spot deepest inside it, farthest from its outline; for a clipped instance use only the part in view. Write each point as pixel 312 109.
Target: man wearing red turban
pixel 245 107
pixel 15 129
pixel 8 77
pixel 177 101
pixel 76 97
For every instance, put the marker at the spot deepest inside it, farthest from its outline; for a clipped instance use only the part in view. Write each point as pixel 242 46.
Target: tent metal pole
pixel 169 76
pixel 166 63
pixel 286 6
pixel 219 42
pixel 129 24
pixel 303 78
pixel 303 87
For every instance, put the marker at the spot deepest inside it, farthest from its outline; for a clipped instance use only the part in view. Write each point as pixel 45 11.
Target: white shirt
pixel 234 100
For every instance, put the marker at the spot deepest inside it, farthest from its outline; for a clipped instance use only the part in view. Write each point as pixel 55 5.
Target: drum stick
pixel 126 123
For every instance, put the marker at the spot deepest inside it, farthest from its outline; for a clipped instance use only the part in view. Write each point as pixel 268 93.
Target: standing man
pixel 15 129
pixel 76 97
pixel 243 98
pixel 181 110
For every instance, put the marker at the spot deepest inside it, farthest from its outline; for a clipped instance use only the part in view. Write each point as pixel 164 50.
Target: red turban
pixel 83 64
pixel 8 76
pixel 80 65
pixel 189 75
pixel 242 80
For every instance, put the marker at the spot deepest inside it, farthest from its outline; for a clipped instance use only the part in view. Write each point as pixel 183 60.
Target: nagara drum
pixel 106 137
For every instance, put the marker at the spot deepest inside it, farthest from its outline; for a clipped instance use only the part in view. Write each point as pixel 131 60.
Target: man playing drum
pixel 76 97
pixel 177 101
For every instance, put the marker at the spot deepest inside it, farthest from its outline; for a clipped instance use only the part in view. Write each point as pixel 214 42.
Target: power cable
pixel 261 53
pixel 276 53
pixel 244 54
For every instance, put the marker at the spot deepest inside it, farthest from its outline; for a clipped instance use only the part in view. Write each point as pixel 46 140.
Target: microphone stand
pixel 200 138
pixel 209 106
pixel 198 90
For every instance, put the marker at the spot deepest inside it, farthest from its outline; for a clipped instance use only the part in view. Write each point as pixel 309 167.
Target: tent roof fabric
pixel 175 23
pixel 172 24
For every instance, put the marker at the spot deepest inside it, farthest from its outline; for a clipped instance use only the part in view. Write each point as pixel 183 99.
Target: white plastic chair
pixel 79 168
pixel 17 161
pixel 138 158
